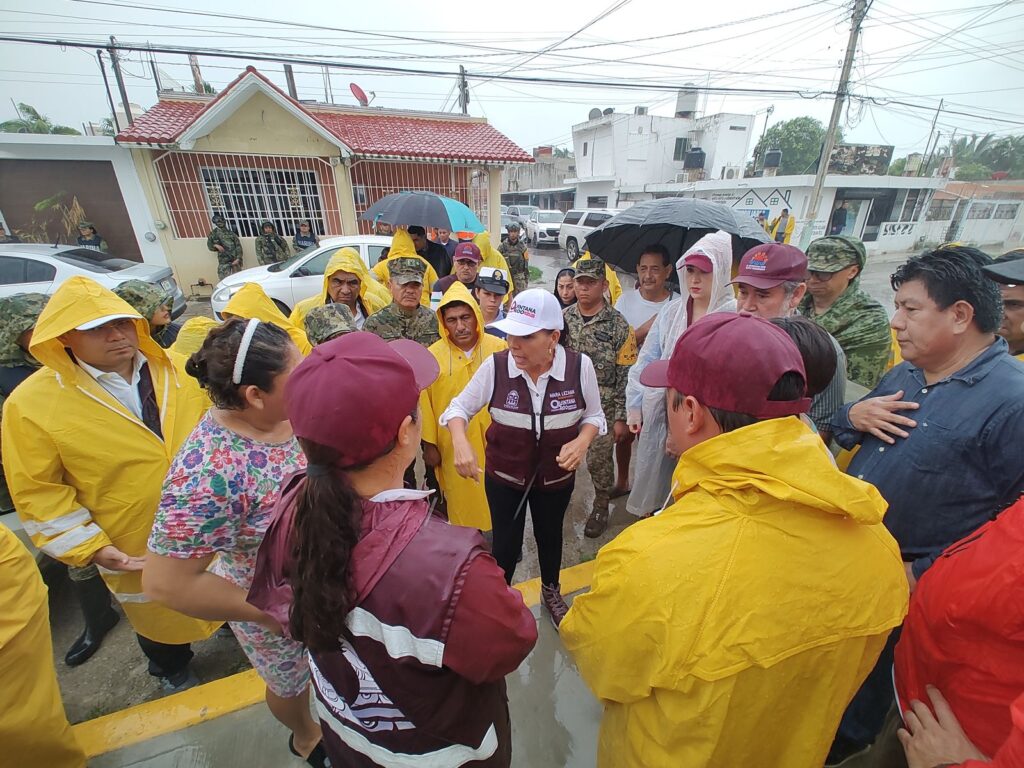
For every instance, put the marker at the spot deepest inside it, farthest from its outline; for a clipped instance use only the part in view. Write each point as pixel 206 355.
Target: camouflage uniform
pixel 146 299
pixel 222 236
pixel 858 322
pixel 394 322
pixel 94 241
pixel 325 322
pixel 609 342
pixel 518 264
pixel 272 248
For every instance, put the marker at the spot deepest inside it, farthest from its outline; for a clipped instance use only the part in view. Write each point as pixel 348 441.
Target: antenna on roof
pixel 360 94
pixel 594 113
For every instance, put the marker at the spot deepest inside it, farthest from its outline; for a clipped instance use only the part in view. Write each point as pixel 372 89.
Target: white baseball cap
pixel 532 310
pixel 97 322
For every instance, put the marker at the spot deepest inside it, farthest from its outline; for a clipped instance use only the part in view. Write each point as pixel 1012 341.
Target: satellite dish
pixel 359 94
pixel 594 114
pixel 608 111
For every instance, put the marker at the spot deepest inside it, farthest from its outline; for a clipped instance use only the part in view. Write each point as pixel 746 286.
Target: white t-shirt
pixel 637 310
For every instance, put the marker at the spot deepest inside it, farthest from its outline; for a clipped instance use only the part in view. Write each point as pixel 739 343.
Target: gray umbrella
pixel 674 222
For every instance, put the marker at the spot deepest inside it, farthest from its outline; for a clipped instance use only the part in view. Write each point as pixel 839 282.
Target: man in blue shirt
pixel 940 436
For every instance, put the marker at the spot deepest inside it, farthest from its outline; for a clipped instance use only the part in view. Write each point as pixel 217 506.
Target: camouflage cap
pixel 326 321
pixel 406 270
pixel 145 298
pixel 592 268
pixel 831 254
pixel 83 224
pixel 18 313
pixel 217 218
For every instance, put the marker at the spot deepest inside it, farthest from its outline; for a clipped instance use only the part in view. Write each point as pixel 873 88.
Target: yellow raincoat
pixel 773 228
pixel 733 628
pixel 402 247
pixel 33 727
pixel 192 335
pixel 467 502
pixel 373 295
pixel 492 258
pixel 614 286
pixel 83 471
pixel 251 302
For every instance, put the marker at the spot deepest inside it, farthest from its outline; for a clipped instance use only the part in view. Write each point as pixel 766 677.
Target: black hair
pixel 328 523
pixel 384 254
pixel 953 273
pixel 789 387
pixel 816 349
pixel 453 305
pixel 214 364
pixel 417 230
pixel 659 250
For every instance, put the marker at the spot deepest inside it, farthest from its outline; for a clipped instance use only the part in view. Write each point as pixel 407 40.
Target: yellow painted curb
pixel 230 694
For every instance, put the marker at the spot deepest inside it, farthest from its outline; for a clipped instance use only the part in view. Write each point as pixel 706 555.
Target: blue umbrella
pixel 425 209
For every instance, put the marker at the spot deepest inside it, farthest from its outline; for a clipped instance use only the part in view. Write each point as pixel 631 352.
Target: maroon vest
pixel 513 450
pixel 385 692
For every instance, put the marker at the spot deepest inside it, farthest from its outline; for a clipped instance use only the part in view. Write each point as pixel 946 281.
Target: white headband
pixel 243 350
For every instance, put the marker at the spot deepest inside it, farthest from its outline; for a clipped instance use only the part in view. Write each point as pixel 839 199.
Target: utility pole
pixel 289 77
pixel 115 62
pixel 197 76
pixel 156 74
pixel 928 147
pixel 767 114
pixel 106 87
pixel 859 12
pixel 463 91
pixel 328 90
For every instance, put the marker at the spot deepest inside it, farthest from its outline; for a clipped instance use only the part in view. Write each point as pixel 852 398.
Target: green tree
pixel 30 121
pixel 800 141
pixel 972 172
pixel 207 88
pixel 898 166
pixel 107 127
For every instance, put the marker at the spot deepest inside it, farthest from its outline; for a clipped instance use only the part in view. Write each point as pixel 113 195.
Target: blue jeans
pixel 864 717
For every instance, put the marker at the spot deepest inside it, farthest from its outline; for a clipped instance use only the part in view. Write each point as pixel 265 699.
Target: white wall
pixel 724 142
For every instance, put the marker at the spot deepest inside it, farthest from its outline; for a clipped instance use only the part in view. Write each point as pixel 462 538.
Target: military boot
pixel 94 600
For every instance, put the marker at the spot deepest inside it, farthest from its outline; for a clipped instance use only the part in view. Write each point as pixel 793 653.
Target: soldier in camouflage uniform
pixel 835 301
pixel 153 304
pixel 594 328
pixel 515 253
pixel 270 246
pixel 18 316
pixel 405 317
pixel 226 245
pixel 328 321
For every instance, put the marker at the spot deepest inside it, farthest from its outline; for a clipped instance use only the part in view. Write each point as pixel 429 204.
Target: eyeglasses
pixel 822 277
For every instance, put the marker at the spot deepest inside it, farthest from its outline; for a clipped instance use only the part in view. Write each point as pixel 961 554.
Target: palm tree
pixel 30 121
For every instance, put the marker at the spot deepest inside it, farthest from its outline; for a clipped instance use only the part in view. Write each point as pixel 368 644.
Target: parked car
pixel 504 209
pixel 290 281
pixel 577 224
pixel 542 227
pixel 36 268
pixel 521 213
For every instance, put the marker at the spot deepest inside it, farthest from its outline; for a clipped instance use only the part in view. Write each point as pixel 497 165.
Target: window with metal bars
pixel 248 196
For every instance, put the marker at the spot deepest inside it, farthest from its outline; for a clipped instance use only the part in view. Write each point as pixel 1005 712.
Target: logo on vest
pixel 512 400
pixel 565 403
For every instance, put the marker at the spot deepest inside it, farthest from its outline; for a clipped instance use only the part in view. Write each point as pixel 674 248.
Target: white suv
pixel 542 227
pixel 577 224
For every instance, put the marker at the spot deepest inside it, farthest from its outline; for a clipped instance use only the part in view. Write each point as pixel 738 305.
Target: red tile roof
pixel 368 134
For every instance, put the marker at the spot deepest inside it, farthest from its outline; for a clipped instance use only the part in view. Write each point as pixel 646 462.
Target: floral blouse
pixel 218 496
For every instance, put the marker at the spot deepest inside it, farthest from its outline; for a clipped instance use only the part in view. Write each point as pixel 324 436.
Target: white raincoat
pixel 654 467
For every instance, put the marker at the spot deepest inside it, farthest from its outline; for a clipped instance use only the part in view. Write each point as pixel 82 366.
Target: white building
pixel 616 150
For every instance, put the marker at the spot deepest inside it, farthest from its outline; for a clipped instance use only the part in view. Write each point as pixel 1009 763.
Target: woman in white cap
pixel 545 409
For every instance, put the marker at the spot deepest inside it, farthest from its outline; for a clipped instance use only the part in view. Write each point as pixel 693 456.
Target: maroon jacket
pixel 432 633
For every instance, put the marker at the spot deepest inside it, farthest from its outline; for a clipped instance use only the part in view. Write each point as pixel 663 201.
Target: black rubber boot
pixel 94 600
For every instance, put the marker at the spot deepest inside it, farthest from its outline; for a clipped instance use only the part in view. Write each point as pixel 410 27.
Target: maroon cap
pixel 765 266
pixel 467 251
pixel 731 362
pixel 353 392
pixel 699 261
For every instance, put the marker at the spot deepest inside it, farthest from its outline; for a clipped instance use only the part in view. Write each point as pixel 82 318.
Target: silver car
pixel 32 268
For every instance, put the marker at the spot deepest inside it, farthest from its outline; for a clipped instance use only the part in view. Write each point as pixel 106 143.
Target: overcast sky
pixel 969 51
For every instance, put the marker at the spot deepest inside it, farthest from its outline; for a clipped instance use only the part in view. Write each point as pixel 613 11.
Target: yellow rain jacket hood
pixel 192 335
pixel 733 628
pixel 492 258
pixel 83 470
pixel 373 295
pixel 402 247
pixel 614 286
pixel 252 302
pixel 467 502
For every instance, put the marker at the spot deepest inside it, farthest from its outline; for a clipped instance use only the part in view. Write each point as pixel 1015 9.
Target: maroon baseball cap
pixel 467 251
pixel 731 362
pixel 699 261
pixel 353 392
pixel 765 266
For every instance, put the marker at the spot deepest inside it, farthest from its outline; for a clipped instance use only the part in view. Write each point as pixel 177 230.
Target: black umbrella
pixel 674 222
pixel 425 209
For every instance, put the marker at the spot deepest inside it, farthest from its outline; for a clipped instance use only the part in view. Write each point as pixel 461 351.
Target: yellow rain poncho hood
pixel 373 295
pixel 83 470
pixel 402 247
pixel 252 302
pixel 614 286
pixel 192 335
pixel 492 258
pixel 467 502
pixel 764 594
